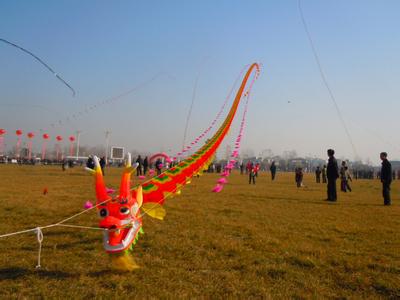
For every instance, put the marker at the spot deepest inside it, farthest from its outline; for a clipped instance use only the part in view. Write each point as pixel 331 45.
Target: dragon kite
pixel 121 216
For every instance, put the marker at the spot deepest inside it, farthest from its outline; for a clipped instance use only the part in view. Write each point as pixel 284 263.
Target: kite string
pixel 191 104
pixel 61 223
pixel 40 61
pixel 323 77
pixel 40 235
pixel 247 95
pixel 194 142
pixel 108 100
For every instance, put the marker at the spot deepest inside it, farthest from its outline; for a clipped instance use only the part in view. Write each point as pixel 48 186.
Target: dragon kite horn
pixel 124 188
pixel 101 192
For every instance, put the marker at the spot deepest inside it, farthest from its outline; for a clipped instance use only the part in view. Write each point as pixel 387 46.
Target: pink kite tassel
pixel 109 190
pixel 222 180
pixel 88 205
pixel 217 188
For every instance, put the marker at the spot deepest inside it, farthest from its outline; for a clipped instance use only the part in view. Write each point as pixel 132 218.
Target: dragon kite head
pixel 120 214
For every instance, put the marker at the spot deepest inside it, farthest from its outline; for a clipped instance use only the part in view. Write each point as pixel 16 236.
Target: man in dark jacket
pixel 386 178
pixel 324 174
pixel 145 165
pixel 332 172
pixel 102 164
pixel 272 168
pixel 139 161
pixel 318 174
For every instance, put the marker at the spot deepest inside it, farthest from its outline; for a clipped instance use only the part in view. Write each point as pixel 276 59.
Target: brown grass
pixel 271 240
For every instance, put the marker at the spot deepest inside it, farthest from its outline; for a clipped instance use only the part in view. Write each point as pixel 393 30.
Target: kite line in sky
pixel 323 77
pixel 40 61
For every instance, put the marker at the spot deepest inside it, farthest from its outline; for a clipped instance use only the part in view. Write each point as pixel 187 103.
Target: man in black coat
pixel 139 161
pixel 318 174
pixel 272 168
pixel 386 178
pixel 332 172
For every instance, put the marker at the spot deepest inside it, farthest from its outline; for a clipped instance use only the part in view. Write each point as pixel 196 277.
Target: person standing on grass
pixel 252 173
pixel 318 174
pixel 348 178
pixel 386 178
pixel 342 173
pixel 249 166
pixel 241 168
pixel 139 161
pixel 102 164
pixel 332 172
pixel 145 165
pixel 257 168
pixel 299 177
pixel 324 174
pixel 159 166
pixel 272 168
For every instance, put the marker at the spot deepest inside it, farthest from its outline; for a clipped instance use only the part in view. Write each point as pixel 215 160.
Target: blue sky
pixel 104 48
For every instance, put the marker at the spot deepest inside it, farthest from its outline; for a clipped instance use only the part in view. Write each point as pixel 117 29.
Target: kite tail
pixel 123 262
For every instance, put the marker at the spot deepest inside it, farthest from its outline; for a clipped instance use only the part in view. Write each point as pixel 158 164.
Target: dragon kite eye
pixel 124 210
pixel 103 212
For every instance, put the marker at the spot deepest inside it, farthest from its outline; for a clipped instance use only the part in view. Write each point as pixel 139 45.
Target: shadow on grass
pixel 13 273
pixel 70 245
pixel 17 272
pixel 108 272
pixel 55 274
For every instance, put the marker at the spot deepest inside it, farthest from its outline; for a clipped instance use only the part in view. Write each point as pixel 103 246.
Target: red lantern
pixel 2 132
pixel 18 132
pixel 71 146
pixel 45 138
pixel 30 135
pixel 58 147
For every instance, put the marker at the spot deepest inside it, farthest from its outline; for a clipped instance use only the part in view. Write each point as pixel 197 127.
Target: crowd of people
pixel 329 173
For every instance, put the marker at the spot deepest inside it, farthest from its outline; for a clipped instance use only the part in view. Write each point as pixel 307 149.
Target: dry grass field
pixel 269 240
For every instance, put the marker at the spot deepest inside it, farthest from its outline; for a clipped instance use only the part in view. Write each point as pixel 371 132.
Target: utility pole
pixel 78 135
pixel 107 144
